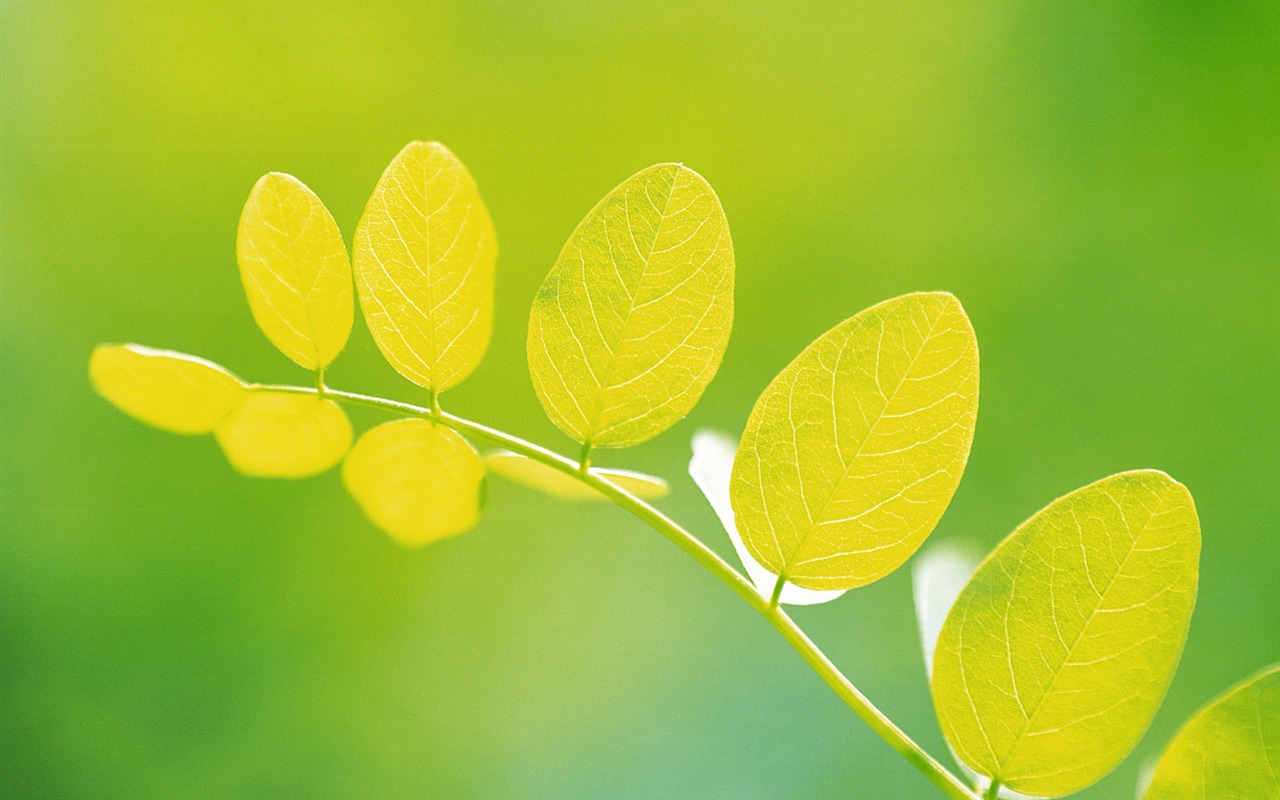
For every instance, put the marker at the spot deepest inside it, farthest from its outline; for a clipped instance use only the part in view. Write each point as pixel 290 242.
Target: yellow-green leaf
pixel 853 452
pixel 424 255
pixel 1058 652
pixel 173 391
pixel 631 323
pixel 537 475
pixel 1229 749
pixel 295 271
pixel 282 435
pixel 417 481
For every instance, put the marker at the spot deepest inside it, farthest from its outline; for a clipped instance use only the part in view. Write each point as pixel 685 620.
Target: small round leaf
pixel 284 435
pixel 418 481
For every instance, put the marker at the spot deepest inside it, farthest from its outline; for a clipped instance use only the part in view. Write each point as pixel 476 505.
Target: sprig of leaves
pixel 1047 661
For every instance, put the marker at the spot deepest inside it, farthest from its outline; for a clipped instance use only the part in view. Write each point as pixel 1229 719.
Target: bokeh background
pixel 1099 182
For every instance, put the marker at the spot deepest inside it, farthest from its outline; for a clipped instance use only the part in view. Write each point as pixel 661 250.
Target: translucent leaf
pixel 417 481
pixel 710 467
pixel 173 391
pixel 280 435
pixel 424 255
pixel 631 323
pixel 295 270
pixel 1229 749
pixel 537 475
pixel 852 454
pixel 1058 652
pixel 937 577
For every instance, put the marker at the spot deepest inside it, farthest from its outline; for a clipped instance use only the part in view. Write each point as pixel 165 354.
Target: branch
pixel 950 785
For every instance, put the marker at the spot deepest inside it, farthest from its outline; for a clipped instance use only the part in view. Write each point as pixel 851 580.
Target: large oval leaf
pixel 1058 652
pixel 424 255
pixel 173 391
pixel 537 475
pixel 284 435
pixel 853 452
pixel 295 271
pixel 417 481
pixel 631 323
pixel 1230 748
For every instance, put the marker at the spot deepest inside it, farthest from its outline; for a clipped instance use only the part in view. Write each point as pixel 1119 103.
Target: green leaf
pixel 537 475
pixel 631 323
pixel 424 255
pixel 1229 749
pixel 417 481
pixel 295 271
pixel 284 435
pixel 853 452
pixel 1058 652
pixel 173 391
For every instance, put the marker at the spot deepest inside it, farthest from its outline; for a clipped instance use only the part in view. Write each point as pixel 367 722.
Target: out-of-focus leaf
pixel 284 435
pixel 938 575
pixel 173 391
pixel 417 481
pixel 537 475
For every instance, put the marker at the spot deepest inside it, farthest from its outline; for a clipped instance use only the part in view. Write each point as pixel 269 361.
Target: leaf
pixel 417 481
pixel 424 255
pixel 295 271
pixel 1058 652
pixel 173 391
pixel 1229 749
pixel 631 323
pixel 940 572
pixel 709 467
pixel 284 435
pixel 537 475
pixel 853 452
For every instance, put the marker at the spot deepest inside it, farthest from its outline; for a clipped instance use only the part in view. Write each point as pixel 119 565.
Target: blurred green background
pixel 1099 182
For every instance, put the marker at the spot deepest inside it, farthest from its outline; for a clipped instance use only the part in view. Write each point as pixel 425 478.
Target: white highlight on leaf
pixel 710 468
pixel 939 574
pixel 937 577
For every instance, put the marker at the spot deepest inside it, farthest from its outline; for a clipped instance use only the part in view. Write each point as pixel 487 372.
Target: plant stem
pixel 777 591
pixel 993 791
pixel 950 785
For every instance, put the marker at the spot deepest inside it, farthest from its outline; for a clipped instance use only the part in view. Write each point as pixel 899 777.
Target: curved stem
pixel 950 785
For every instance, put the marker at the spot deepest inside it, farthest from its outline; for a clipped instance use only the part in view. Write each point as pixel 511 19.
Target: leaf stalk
pixel 915 755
